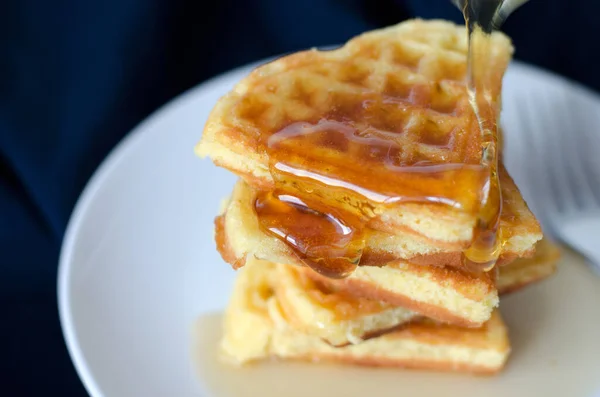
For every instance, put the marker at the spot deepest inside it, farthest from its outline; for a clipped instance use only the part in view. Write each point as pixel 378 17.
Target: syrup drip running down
pixel 481 18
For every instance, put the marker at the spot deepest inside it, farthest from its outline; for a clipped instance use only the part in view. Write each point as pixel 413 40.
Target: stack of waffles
pixel 359 206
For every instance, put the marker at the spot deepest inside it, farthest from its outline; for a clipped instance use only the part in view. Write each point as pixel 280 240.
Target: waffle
pixel 340 318
pixel 442 293
pixel 445 294
pixel 388 117
pixel 472 296
pixel 336 317
pixel 256 328
pixel 240 235
pixel 525 271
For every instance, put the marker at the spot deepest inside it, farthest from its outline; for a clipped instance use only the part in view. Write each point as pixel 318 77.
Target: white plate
pixel 139 265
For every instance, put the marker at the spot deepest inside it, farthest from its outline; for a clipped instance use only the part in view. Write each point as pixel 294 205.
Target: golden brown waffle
pixel 256 329
pixel 239 235
pixel 525 271
pixel 341 318
pixel 512 277
pixel 443 293
pixel 447 295
pixel 462 299
pixel 335 316
pixel 397 96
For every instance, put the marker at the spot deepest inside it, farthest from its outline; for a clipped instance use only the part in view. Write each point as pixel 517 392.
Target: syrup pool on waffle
pixel 404 137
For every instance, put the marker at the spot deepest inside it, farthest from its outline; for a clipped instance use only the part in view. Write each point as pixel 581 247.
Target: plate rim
pixel 77 217
pixel 128 143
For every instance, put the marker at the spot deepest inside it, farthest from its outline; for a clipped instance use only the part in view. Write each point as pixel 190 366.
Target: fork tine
pixel 563 142
pixel 555 157
pixel 587 140
pixel 535 163
pixel 571 142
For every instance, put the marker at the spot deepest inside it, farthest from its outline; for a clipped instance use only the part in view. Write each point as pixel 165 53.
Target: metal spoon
pixel 489 14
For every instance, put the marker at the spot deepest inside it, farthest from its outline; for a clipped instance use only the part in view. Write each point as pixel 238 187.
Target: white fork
pixel 561 169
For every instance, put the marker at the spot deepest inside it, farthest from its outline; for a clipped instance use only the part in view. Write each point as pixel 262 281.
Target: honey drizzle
pixel 320 212
pixel 481 17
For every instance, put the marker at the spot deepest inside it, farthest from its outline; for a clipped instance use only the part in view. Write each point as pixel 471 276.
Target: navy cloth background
pixel 76 76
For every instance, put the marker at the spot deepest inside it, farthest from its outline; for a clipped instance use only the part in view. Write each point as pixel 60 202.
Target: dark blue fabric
pixel 76 76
